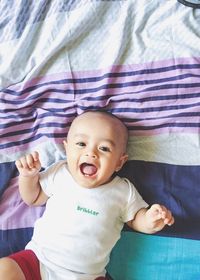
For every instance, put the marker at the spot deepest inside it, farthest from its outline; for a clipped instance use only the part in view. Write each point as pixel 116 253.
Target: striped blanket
pixel 138 59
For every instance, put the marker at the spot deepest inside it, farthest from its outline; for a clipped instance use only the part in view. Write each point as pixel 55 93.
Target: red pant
pixel 30 266
pixel 28 263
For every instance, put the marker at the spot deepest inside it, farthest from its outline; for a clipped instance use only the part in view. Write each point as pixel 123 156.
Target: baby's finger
pixel 169 220
pixel 163 209
pixel 18 164
pixel 164 212
pixel 157 210
pixel 167 216
pixel 35 156
pixel 23 162
pixel 30 161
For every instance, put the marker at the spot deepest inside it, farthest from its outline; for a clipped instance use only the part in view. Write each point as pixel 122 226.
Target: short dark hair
pixel 110 114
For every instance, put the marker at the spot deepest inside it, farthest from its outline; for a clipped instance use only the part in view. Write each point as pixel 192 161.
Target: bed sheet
pixel 140 60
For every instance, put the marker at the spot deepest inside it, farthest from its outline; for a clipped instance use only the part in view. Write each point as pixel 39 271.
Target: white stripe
pixel 179 149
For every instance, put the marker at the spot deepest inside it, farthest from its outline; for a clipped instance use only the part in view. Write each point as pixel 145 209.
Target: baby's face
pixel 95 149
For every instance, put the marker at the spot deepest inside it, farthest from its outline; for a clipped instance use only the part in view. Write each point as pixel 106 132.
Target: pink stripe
pixel 44 131
pixel 169 91
pixel 30 145
pixel 44 105
pixel 44 91
pixel 35 114
pixel 14 212
pixel 137 115
pixel 114 99
pixel 126 92
pixel 38 118
pixel 169 120
pixel 40 93
pixel 45 124
pixel 112 69
pixel 127 101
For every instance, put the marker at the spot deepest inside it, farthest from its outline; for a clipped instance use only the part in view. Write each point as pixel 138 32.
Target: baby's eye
pixel 105 149
pixel 80 144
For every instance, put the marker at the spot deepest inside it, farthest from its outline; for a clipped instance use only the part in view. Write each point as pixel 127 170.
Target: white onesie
pixel 80 226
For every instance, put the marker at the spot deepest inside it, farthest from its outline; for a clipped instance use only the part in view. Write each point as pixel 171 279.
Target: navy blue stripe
pixel 143 110
pixel 176 187
pixel 7 172
pixel 171 86
pixel 127 100
pixel 14 240
pixel 32 88
pixel 32 139
pixel 26 117
pixel 123 109
pixel 113 75
pixel 105 97
pixel 177 115
pixel 31 114
pixel 178 96
pixel 35 128
pixel 29 118
pixel 49 109
pixel 12 124
pixel 37 100
pixel 138 83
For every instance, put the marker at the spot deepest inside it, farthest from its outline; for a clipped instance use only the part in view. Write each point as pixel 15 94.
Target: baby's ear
pixel 122 160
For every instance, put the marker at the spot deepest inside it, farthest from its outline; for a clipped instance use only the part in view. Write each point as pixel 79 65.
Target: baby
pixel 87 205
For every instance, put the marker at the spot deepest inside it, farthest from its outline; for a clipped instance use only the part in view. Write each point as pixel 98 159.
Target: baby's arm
pixel 152 220
pixel 29 185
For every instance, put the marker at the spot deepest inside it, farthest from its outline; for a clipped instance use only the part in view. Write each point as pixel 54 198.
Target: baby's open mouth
pixel 88 169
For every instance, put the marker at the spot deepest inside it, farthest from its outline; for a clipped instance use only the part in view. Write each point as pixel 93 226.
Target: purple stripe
pixel 61 121
pixel 86 84
pixel 151 103
pixel 61 104
pixel 25 129
pixel 114 71
pixel 162 93
pixel 14 213
pixel 76 89
pixel 35 119
pixel 12 141
pixel 30 143
pixel 148 94
pixel 71 90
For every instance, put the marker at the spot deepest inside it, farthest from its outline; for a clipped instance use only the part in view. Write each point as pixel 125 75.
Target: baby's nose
pixel 91 153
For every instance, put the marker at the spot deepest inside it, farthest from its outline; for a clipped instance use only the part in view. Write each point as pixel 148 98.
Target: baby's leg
pixel 22 265
pixel 10 270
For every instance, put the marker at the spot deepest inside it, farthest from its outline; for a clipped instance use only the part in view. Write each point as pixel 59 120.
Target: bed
pixel 140 60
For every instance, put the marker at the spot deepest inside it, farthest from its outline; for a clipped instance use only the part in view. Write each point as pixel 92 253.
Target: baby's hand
pixel 158 216
pixel 29 165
